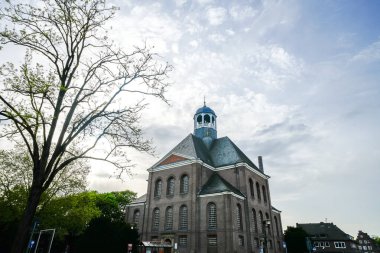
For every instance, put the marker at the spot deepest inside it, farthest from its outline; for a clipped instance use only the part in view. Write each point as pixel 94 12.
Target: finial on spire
pixel 204 100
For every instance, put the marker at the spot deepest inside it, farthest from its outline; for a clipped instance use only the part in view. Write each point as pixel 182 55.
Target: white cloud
pixel 216 15
pixel 241 12
pixel 369 54
pixel 272 65
pixel 217 38
pixel 156 29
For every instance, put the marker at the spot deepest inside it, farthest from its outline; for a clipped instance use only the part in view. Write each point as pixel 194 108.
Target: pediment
pixel 172 159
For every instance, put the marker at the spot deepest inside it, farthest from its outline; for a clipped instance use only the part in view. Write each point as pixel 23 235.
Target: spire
pixel 204 101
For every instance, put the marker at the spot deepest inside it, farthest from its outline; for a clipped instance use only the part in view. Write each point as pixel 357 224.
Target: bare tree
pixel 84 96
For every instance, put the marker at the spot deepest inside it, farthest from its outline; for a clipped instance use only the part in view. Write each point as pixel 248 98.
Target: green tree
pixel 16 171
pixel 112 204
pixel 105 235
pixel 295 239
pixel 75 99
pixel 377 240
pixel 109 232
pixel 70 214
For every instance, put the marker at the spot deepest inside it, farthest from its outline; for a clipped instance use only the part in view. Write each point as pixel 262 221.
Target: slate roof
pixel 139 200
pixel 217 184
pixel 222 152
pixel 324 230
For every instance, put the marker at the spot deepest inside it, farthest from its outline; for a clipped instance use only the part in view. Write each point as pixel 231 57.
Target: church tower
pixel 205 125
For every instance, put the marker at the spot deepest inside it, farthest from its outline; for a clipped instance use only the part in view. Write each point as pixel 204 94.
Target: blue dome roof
pixel 205 109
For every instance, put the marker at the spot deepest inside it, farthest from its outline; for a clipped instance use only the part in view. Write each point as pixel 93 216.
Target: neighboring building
pixel 366 244
pixel 327 237
pixel 206 195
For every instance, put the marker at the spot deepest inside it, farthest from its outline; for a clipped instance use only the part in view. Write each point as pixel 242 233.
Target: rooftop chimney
pixel 261 167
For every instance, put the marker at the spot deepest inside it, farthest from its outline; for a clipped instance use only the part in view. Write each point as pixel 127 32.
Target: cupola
pixel 205 124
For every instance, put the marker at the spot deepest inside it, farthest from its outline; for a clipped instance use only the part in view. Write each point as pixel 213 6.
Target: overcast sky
pixel 297 82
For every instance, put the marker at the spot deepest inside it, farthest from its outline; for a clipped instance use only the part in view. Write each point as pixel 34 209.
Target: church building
pixel 206 195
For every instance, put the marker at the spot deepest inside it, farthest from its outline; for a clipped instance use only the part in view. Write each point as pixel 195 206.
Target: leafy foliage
pixel 85 95
pixel 78 218
pixel 295 239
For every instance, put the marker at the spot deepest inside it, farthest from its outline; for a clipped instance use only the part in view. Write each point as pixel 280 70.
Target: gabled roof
pixel 324 230
pixel 139 200
pixel 217 184
pixel 223 152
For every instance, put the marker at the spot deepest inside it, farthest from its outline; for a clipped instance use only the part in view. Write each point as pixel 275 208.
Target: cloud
pixel 369 54
pixel 135 27
pixel 216 15
pixel 241 12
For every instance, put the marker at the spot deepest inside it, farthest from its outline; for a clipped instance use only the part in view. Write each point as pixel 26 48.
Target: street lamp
pixel 266 224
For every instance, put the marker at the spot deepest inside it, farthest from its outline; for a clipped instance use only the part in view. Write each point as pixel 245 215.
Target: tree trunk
pixel 23 232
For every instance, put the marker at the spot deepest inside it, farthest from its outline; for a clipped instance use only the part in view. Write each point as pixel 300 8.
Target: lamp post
pixel 266 224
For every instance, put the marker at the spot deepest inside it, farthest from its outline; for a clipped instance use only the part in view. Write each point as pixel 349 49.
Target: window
pixel 251 188
pixel 239 223
pixel 207 118
pixel 158 188
pixel 212 241
pixel 268 226
pixel 182 241
pixel 184 187
pixel 257 244
pixel 183 218
pixel 156 219
pixel 212 219
pixel 276 225
pixel 199 119
pixel 340 245
pixel 264 194
pixel 241 240
pixel 258 191
pixel 170 188
pixel 136 217
pixel 254 221
pixel 169 218
pixel 327 244
pixel 261 221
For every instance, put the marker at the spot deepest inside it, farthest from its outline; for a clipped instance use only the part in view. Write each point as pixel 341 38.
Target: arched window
pixel 136 217
pixel 264 194
pixel 184 187
pixel 251 188
pixel 258 191
pixel 239 221
pixel 254 221
pixel 158 188
pixel 207 118
pixel 183 218
pixel 276 225
pixel 211 216
pixel 170 186
pixel 156 219
pixel 169 218
pixel 261 221
pixel 199 119
pixel 268 226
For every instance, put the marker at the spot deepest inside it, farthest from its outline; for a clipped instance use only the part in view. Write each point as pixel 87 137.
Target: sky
pixel 296 82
